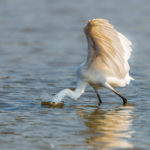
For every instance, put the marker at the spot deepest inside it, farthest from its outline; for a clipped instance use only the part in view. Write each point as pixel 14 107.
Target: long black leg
pixel 111 88
pixel 123 98
pixel 98 96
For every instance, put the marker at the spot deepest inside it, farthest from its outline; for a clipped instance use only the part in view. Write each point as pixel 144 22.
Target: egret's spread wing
pixel 111 46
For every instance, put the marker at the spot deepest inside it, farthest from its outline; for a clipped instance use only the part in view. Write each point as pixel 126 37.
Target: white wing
pixel 110 47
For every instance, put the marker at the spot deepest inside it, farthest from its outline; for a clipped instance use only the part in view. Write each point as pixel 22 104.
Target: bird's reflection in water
pixel 111 129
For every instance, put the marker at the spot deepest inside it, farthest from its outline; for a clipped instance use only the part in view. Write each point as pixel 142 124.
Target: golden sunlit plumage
pixel 107 62
pixel 105 42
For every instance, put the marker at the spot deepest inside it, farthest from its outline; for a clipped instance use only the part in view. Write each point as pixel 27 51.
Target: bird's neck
pixel 70 93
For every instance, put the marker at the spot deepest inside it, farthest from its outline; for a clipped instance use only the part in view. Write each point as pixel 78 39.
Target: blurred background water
pixel 41 45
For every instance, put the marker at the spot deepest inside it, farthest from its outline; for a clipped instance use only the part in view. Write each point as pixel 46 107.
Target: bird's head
pixel 54 102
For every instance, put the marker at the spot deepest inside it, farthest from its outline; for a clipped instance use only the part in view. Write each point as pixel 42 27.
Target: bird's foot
pixel 124 100
pixel 99 103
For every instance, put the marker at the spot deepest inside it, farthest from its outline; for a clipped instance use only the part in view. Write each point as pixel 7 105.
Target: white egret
pixel 106 65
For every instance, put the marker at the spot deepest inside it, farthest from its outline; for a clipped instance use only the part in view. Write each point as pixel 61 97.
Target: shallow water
pixel 41 45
